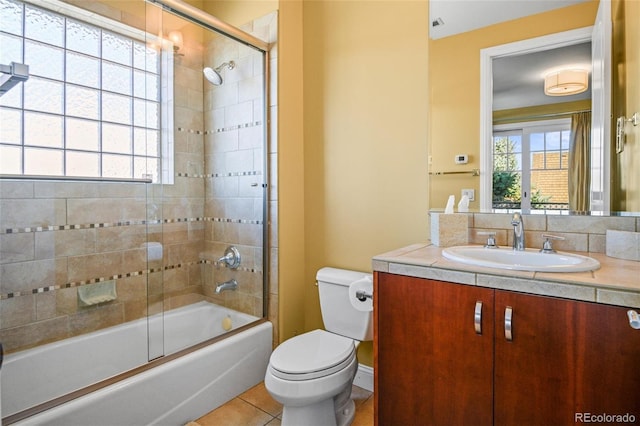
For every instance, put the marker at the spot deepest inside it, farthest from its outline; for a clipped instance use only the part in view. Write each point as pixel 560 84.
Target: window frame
pixel 525 130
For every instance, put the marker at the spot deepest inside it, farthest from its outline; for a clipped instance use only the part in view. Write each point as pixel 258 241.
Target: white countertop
pixel 617 282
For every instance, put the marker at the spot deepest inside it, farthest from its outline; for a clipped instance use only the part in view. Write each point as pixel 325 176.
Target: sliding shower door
pixel 217 201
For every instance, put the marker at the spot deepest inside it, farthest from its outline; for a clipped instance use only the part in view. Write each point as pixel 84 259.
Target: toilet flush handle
pixel 362 295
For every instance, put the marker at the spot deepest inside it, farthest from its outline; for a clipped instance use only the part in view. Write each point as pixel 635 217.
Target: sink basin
pixel 527 260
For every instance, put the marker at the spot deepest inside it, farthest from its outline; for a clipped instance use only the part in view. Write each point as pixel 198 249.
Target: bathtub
pixel 172 393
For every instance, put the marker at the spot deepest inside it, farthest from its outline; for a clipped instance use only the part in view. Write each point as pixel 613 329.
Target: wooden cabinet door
pixel 608 366
pixel 535 380
pixel 431 366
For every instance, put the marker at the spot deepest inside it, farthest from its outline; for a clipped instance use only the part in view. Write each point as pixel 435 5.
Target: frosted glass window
pixel 10 160
pixel 83 102
pixel 43 25
pixel 145 113
pixel 153 115
pixel 89 83
pixel 116 166
pixel 43 95
pixel 82 134
pixel 44 60
pixel 38 161
pixel 13 98
pixel 82 164
pixel 10 126
pixel 116 78
pixel 42 129
pixel 10 48
pixel 116 48
pixel 146 85
pixel 116 138
pixel 116 108
pixel 83 38
pixel 146 58
pixel 145 142
pixel 82 69
pixel 146 168
pixel 11 16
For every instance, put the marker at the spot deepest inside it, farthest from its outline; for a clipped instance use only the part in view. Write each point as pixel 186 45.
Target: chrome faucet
pixel 232 284
pixel 518 232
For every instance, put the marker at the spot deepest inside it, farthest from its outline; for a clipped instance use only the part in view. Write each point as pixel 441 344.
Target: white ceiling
pixel 460 16
pixel 517 80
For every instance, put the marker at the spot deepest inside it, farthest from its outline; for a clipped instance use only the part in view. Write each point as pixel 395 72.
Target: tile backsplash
pixel 580 233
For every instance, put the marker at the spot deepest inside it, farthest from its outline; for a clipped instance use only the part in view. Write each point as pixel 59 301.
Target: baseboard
pixel 364 377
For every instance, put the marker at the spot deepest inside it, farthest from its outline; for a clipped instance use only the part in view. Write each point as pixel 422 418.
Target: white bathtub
pixel 172 393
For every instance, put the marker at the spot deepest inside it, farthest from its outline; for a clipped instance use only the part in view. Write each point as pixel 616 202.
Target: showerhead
pixel 213 75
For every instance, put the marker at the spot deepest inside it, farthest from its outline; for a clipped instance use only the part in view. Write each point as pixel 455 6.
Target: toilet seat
pixel 312 355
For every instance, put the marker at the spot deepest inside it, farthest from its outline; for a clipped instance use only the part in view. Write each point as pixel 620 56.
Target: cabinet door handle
pixel 477 318
pixel 634 319
pixel 508 327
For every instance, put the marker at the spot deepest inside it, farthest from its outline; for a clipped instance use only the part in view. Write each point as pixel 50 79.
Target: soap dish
pixel 93 294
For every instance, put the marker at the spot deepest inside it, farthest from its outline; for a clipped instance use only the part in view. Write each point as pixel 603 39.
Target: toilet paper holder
pixel 362 295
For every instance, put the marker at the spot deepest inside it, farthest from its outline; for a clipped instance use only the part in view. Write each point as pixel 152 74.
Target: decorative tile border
pixel 217 175
pixel 51 288
pixel 192 131
pixel 31 229
pixel 231 128
pixel 243 269
pixel 34 229
pixel 220 129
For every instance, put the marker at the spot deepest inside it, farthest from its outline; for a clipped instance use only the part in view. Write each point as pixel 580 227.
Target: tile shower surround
pixel 56 236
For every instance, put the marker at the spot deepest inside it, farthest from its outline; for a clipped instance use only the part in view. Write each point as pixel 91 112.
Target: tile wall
pixel 580 233
pixel 235 167
pixel 57 236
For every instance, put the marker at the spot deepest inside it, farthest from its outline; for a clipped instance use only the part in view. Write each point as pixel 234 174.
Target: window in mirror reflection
pixel 530 166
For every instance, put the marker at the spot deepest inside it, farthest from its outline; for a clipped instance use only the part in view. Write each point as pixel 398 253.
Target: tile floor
pixel 255 407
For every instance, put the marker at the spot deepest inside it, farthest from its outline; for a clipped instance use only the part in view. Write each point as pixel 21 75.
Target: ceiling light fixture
pixel 566 82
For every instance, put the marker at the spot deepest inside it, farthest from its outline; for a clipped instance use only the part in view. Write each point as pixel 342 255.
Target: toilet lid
pixel 312 355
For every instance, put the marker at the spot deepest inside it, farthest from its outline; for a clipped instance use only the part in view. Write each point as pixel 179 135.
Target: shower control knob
pixel 231 257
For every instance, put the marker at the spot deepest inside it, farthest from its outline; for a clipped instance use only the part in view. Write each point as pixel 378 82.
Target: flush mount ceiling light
pixel 566 82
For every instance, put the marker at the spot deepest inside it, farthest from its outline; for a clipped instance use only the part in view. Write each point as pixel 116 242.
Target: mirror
pixel 528 148
pixel 456 96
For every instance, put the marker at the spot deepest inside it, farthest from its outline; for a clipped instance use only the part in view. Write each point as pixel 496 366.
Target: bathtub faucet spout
pixel 232 284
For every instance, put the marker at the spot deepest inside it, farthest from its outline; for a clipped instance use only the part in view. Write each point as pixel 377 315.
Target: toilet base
pixel 338 411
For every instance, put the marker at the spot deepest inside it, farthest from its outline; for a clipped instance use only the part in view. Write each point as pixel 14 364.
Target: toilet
pixel 311 374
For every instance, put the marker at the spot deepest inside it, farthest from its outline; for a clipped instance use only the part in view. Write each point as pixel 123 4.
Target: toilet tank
pixel 338 314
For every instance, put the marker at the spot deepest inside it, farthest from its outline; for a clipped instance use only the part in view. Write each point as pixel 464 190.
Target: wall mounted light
pixel 177 40
pixel 566 82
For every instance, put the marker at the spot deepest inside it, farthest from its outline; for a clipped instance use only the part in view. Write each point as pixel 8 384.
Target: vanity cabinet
pixel 459 354
pixel 431 366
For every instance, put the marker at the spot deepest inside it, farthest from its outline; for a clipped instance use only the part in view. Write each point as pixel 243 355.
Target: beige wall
pixel 365 136
pixel 291 168
pixel 454 69
pixel 236 12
